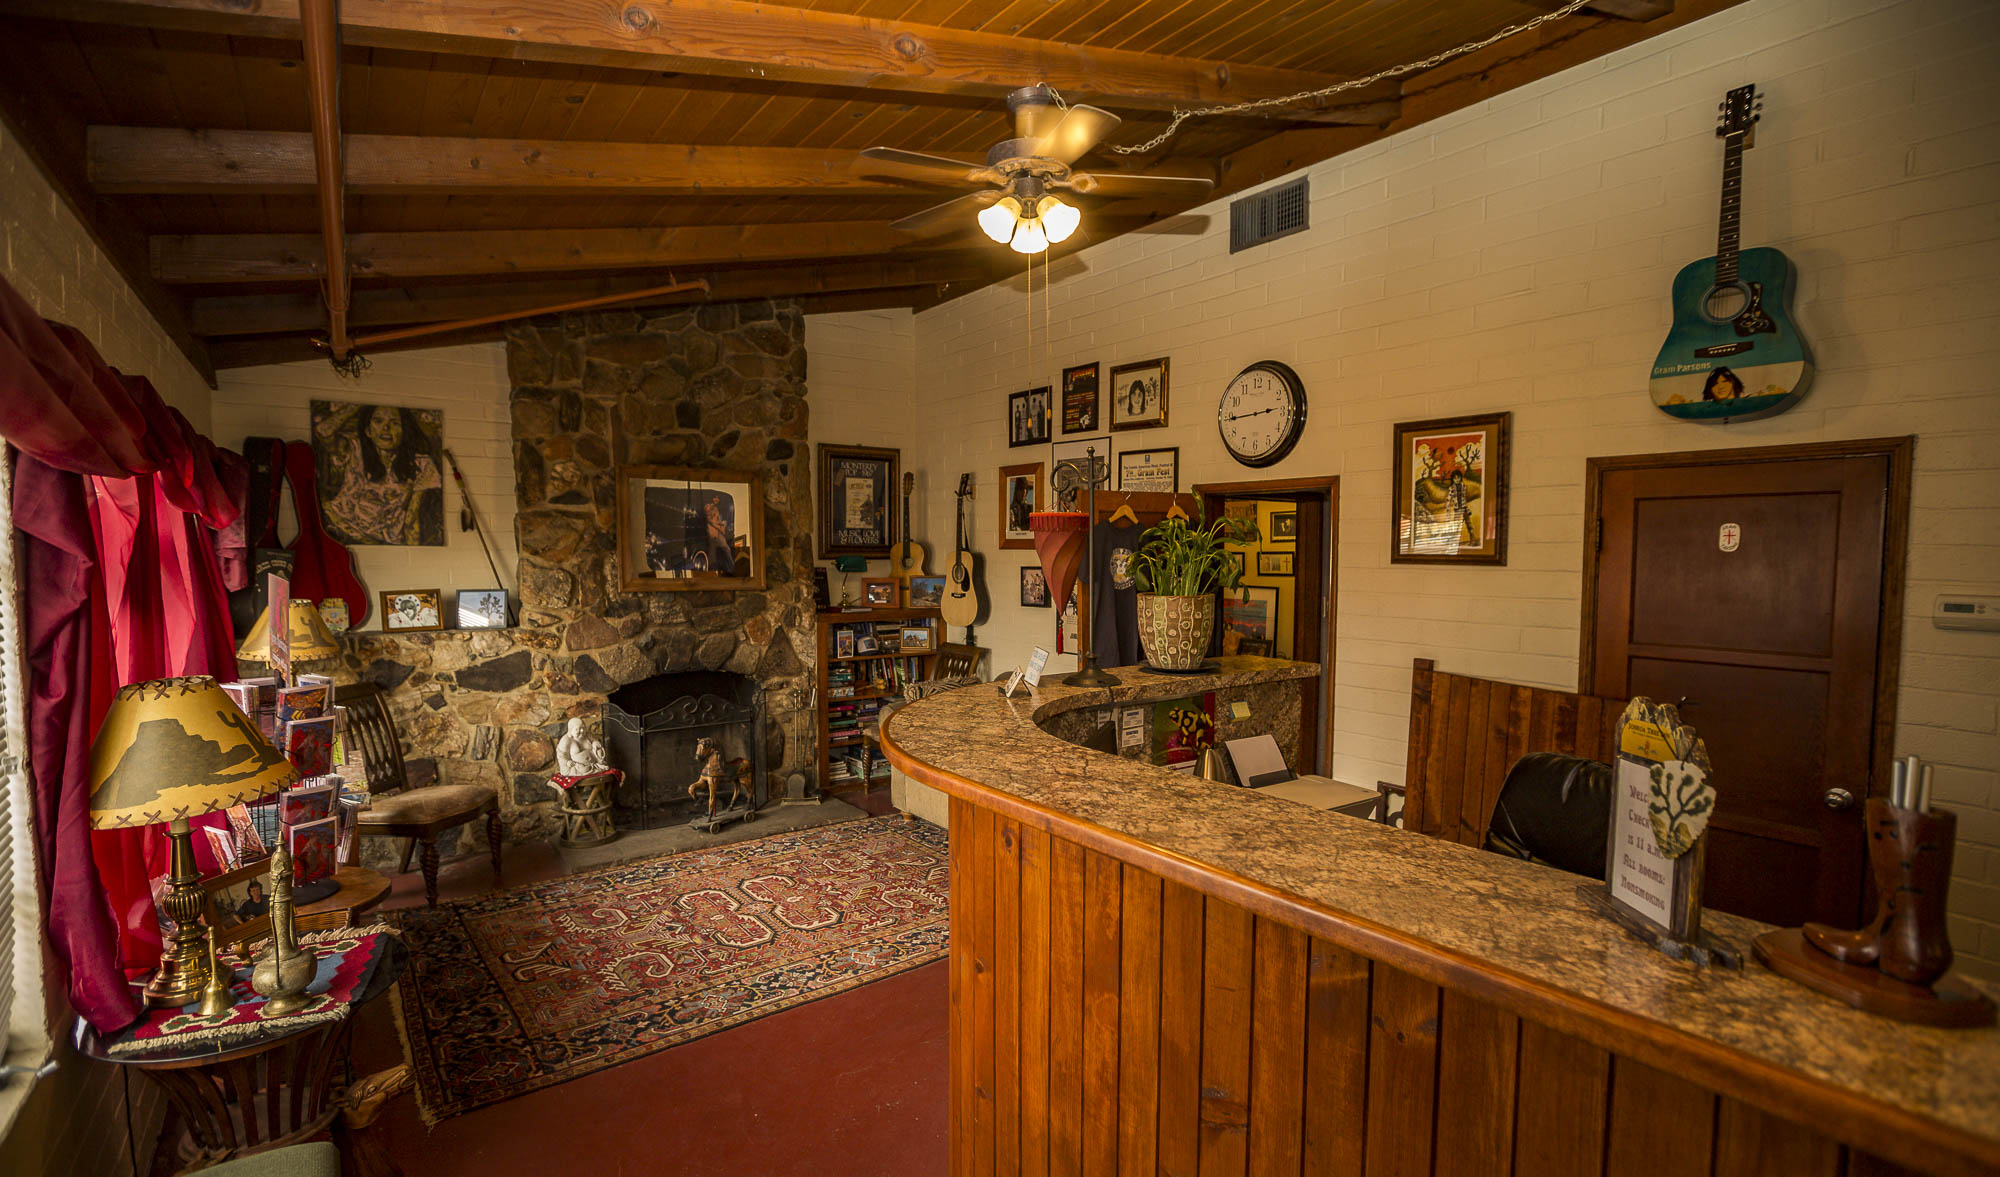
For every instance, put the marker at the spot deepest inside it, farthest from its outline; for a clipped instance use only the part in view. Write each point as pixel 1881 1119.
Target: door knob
pixel 1838 798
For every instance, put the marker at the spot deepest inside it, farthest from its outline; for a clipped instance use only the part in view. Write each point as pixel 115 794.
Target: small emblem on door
pixel 1729 537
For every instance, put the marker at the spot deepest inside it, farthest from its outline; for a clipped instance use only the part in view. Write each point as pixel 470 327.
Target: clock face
pixel 1262 413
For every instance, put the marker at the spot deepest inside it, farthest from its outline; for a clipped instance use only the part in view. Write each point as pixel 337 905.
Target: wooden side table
pixel 254 1094
pixel 585 808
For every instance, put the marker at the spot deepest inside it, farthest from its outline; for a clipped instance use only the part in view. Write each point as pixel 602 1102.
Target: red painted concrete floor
pixel 853 1084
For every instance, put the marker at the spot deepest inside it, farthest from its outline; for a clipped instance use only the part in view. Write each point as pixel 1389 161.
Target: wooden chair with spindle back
pixel 957 661
pixel 396 808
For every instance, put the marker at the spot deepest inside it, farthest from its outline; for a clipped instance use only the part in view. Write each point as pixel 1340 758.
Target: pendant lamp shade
pixel 1059 544
pixel 310 637
pixel 175 748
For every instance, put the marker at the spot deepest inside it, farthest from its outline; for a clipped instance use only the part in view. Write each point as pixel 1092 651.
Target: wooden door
pixel 1754 584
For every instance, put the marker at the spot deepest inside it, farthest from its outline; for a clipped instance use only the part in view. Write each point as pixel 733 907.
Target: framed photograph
pixel 482 608
pixel 1242 568
pixel 856 486
pixel 239 902
pixel 880 592
pixel 683 529
pixel 1139 395
pixel 915 639
pixel 1079 399
pixel 1251 611
pixel 1448 500
pixel 1277 563
pixel 1150 470
pixel 1072 455
pixel 405 610
pixel 926 592
pixel 1284 527
pixel 1020 496
pixel 1034 587
pixel 843 643
pixel 1028 417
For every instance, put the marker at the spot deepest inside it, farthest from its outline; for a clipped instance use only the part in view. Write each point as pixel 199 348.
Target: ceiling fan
pixel 1017 205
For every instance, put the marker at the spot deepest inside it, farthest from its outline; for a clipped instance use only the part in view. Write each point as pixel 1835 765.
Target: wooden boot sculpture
pixel 1910 853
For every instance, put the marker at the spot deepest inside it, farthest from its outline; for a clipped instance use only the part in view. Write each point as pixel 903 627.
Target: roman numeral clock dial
pixel 1262 413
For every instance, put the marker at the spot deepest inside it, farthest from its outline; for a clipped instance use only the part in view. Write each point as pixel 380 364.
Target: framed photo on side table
pixel 1028 417
pixel 408 610
pixel 1150 470
pixel 1448 500
pixel 880 592
pixel 239 902
pixel 1020 496
pixel 682 529
pixel 1139 395
pixel 1079 399
pixel 856 486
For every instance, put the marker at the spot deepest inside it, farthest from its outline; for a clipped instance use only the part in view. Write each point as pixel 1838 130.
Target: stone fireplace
pixel 720 385
pixel 650 729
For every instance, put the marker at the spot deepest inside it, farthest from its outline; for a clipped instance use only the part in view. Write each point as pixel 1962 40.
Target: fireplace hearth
pixel 650 731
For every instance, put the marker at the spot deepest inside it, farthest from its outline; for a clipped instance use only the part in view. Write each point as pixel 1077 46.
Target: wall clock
pixel 1262 413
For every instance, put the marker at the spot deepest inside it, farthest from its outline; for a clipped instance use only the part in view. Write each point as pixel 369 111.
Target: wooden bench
pixel 1465 733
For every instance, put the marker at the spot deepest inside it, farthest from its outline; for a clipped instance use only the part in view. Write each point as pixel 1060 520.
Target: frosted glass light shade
pixel 1059 220
pixel 1029 238
pixel 998 219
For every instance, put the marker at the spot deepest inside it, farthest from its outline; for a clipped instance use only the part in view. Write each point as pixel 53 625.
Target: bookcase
pixel 862 664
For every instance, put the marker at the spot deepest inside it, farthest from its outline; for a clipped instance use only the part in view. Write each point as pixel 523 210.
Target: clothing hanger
pixel 1176 511
pixel 1124 513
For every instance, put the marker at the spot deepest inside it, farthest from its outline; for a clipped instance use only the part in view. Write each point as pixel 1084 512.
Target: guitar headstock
pixel 964 485
pixel 1740 109
pixel 909 484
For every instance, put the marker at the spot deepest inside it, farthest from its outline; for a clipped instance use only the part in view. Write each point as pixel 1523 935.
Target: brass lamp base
pixel 184 960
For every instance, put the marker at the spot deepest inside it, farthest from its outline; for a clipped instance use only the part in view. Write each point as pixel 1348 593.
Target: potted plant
pixel 1178 567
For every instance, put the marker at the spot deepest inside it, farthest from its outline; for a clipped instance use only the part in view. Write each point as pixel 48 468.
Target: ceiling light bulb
pixel 1029 238
pixel 997 220
pixel 1059 220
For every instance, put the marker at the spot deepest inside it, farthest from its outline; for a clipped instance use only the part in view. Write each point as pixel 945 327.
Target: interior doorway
pixel 1763 587
pixel 1284 606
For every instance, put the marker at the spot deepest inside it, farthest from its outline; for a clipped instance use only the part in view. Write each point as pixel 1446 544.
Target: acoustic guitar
pixel 322 566
pixel 266 555
pixel 964 600
pixel 1733 353
pixel 906 559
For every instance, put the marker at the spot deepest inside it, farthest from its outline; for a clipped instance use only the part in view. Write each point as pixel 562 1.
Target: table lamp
pixel 846 566
pixel 311 639
pixel 171 749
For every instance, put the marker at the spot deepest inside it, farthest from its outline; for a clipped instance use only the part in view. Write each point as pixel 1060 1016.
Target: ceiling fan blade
pixel 1081 128
pixel 951 215
pixel 1123 184
pixel 928 169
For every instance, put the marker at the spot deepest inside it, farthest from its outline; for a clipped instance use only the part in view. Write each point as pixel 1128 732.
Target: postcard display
pixel 314 817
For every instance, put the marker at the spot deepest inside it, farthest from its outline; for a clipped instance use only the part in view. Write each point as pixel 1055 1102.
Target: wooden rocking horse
pixel 713 771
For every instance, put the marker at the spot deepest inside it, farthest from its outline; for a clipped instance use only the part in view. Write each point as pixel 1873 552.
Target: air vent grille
pixel 1272 213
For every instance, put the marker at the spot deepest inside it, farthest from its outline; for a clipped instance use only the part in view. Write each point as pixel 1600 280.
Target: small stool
pixel 585 805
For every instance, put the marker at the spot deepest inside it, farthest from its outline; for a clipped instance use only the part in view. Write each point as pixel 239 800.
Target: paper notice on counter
pixel 1039 659
pixel 1641 877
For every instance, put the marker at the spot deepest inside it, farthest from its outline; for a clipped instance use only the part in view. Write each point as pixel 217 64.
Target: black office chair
pixel 1555 810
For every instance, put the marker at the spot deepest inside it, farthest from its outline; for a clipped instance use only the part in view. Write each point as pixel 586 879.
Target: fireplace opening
pixel 650 731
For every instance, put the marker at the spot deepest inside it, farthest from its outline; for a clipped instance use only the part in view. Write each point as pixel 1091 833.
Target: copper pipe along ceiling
pixel 367 341
pixel 320 29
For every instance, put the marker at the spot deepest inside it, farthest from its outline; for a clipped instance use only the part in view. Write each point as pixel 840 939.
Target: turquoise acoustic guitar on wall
pixel 1733 353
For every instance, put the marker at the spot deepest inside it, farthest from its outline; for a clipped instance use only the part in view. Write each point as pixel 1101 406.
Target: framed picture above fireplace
pixel 685 529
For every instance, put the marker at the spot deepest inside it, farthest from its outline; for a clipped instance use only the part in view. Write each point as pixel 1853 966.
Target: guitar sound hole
pixel 1724 303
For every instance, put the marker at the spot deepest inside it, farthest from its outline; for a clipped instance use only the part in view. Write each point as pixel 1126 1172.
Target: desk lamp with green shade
pixel 169 750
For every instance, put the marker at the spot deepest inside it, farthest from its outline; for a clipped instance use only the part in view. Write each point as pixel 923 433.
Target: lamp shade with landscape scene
pixel 171 749
pixel 310 637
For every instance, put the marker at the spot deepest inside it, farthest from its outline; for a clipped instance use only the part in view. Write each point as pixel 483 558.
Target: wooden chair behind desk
pixel 398 810
pixel 956 661
pixel 1465 733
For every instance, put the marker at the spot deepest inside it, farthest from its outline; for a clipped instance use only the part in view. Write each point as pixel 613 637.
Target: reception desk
pixel 1152 973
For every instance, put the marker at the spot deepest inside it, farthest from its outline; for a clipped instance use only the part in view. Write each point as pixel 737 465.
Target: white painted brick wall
pixel 47 255
pixel 468 385
pixel 1517 255
pixel 860 377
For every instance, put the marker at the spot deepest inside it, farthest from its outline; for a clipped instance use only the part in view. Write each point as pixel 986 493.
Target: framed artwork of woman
pixel 381 473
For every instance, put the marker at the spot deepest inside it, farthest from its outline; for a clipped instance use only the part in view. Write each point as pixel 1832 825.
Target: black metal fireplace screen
pixel 650 730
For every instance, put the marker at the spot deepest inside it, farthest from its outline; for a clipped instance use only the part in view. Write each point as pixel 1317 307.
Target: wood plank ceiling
pixel 502 157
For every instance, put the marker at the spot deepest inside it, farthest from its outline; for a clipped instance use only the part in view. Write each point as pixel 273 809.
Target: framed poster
pixel 1448 502
pixel 1139 395
pixel 1079 399
pixel 380 473
pixel 1020 496
pixel 1028 417
pixel 685 529
pixel 1072 456
pixel 1150 470
pixel 856 487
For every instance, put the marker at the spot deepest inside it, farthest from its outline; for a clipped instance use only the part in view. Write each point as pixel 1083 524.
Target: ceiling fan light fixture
pixel 997 220
pixel 1029 238
pixel 1059 220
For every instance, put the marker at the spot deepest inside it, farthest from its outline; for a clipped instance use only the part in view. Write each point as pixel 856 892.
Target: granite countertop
pixel 1460 905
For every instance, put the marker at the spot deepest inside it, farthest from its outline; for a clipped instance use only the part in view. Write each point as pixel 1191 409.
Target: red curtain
pixel 116 497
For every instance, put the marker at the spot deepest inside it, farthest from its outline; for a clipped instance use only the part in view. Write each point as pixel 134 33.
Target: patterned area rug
pixel 521 990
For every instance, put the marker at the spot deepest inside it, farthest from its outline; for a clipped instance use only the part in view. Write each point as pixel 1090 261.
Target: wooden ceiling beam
pixel 272 314
pixel 170 160
pixel 731 38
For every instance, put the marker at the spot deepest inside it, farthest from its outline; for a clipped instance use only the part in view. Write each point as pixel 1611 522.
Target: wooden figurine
pixel 714 770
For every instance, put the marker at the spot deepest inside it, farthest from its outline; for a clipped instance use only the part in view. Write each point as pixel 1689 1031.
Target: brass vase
pixel 1175 631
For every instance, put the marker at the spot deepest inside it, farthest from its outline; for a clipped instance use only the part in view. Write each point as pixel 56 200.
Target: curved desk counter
pixel 1152 973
